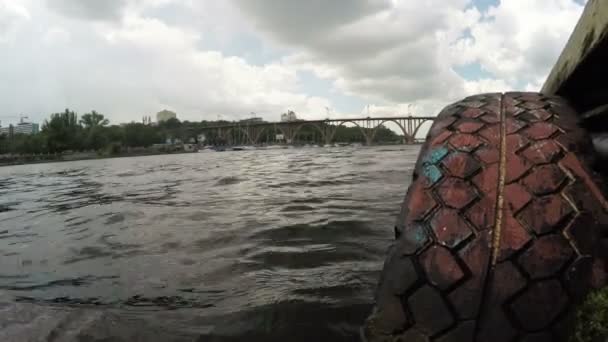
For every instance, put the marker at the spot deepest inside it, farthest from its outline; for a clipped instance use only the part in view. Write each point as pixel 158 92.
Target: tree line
pixel 66 131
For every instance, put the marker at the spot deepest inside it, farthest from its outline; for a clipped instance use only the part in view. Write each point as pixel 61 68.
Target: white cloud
pixel 12 15
pixel 487 85
pixel 519 40
pixel 406 51
pixel 138 66
pixel 129 58
pixel 56 36
pixel 391 53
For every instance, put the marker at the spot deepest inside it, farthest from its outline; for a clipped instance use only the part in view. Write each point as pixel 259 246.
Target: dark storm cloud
pixel 306 20
pixel 89 9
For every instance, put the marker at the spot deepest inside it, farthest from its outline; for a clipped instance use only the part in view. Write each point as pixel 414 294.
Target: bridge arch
pixel 420 126
pixel 285 132
pixel 406 135
pixel 311 124
pixel 369 128
pixel 225 135
pixel 253 133
pixel 368 139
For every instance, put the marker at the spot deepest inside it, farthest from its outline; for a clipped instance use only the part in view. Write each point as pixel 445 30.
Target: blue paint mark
pixel 429 169
pixel 436 155
pixel 432 173
pixel 416 235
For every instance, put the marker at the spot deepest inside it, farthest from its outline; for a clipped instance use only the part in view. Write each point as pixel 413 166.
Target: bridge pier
pixel 328 132
pixel 253 134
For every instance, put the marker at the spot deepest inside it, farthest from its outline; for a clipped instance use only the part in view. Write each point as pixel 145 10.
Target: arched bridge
pixel 324 130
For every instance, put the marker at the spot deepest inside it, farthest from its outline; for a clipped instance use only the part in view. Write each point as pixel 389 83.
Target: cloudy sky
pixel 208 59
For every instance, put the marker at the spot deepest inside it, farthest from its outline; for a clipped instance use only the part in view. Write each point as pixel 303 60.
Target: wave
pixel 228 180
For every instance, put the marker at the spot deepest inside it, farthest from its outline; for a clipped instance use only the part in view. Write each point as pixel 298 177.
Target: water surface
pixel 251 245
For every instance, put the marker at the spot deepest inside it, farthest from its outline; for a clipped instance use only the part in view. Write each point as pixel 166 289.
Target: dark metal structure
pixel 252 133
pixel 580 73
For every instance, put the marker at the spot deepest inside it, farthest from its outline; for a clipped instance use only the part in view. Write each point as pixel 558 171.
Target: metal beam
pixel 251 133
pixel 424 118
pixel 581 71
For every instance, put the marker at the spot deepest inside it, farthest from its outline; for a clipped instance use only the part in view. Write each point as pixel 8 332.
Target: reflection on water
pixel 257 245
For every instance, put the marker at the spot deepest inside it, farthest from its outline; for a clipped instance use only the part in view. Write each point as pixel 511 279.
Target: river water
pixel 266 245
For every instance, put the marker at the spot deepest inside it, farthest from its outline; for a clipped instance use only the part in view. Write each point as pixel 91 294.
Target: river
pixel 265 245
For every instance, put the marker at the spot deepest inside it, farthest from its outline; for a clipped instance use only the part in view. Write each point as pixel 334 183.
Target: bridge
pixel 254 133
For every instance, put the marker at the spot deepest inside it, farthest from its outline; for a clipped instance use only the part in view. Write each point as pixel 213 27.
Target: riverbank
pixel 55 158
pixel 10 160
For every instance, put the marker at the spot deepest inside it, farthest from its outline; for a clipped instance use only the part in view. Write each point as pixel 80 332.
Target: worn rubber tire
pixel 500 233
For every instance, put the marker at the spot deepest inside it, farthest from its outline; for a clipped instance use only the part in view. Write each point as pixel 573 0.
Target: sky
pixel 234 59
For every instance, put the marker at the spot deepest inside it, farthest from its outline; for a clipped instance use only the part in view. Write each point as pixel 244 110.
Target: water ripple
pixel 265 245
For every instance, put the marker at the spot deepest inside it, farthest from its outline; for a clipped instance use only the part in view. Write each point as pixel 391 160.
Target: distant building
pixel 21 128
pixel 27 128
pixel 289 116
pixel 252 120
pixel 165 115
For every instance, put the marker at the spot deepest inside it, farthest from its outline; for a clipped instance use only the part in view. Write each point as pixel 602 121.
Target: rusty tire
pixel 498 236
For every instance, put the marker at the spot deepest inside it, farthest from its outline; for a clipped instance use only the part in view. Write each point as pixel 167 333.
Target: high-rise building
pixel 21 128
pixel 253 120
pixel 165 115
pixel 289 116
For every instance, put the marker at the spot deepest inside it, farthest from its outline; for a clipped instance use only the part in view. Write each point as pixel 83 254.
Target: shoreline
pixel 80 156
pixel 75 157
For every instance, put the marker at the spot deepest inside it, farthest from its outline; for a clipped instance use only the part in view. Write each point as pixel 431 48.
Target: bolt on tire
pixel 499 234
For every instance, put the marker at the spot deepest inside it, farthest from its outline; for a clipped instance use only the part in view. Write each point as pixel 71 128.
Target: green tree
pixel 62 131
pixel 94 136
pixel 115 134
pixel 93 119
pixel 4 144
pixel 140 135
pixel 172 123
pixel 592 318
pixel 348 134
pixel 384 134
pixel 23 144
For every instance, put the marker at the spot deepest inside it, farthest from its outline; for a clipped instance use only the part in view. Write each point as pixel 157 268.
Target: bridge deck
pixel 326 121
pixel 288 130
